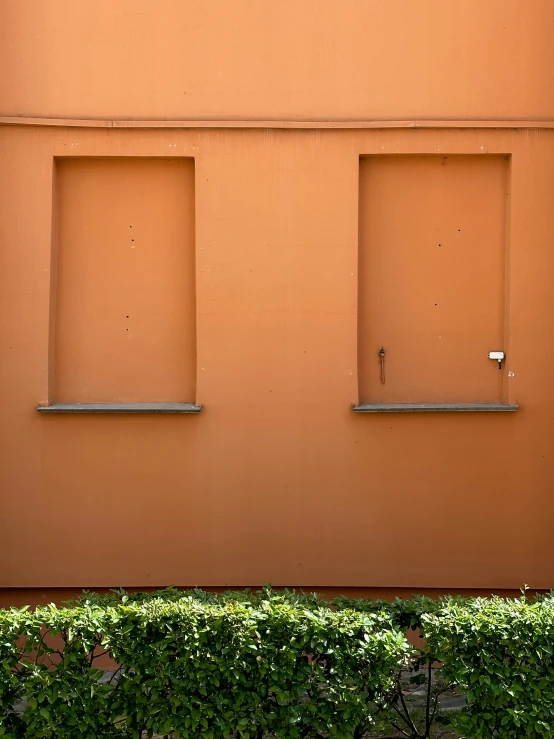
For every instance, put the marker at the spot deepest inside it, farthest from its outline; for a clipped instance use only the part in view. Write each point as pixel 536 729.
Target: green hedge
pixel 500 653
pixel 249 664
pixel 198 666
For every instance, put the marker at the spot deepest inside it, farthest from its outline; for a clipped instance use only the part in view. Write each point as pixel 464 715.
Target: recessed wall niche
pixel 432 254
pixel 123 308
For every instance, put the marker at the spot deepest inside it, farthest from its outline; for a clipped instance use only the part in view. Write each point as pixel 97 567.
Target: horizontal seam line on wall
pixel 277 124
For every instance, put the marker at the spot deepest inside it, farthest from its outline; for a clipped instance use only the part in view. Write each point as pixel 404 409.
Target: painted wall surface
pixel 123 285
pixel 261 59
pixel 431 282
pixel 276 479
pixel 252 287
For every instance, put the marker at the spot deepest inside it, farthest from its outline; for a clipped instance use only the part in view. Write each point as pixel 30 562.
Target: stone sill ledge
pixel 120 408
pixel 433 407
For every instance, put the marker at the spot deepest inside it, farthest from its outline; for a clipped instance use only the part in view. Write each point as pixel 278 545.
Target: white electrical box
pixel 499 356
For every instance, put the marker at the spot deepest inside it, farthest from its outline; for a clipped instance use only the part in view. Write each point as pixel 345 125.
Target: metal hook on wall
pixel 382 361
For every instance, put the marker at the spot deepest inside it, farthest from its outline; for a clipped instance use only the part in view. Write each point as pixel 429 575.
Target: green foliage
pixel 291 665
pixel 11 685
pixel 64 695
pixel 410 718
pixel 403 613
pixel 197 665
pixel 500 652
pixel 268 667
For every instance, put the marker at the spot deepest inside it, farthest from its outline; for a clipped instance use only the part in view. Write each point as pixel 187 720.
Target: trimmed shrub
pixel 500 653
pixel 252 664
pixel 198 666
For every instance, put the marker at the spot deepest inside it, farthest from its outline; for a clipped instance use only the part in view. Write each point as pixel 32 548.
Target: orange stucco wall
pixel 276 479
pixel 315 59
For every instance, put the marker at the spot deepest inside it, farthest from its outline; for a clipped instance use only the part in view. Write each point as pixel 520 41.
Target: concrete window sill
pixel 120 408
pixel 434 407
